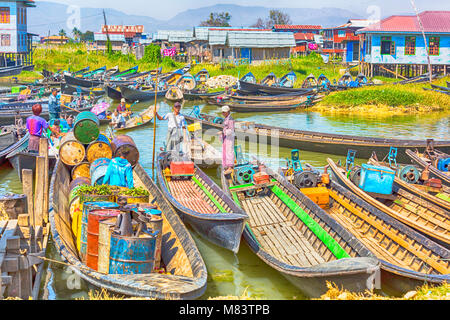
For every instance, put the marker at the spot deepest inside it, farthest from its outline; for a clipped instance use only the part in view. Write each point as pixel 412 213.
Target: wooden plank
pixel 27 185
pixel 43 152
pixel 9 231
pixel 39 191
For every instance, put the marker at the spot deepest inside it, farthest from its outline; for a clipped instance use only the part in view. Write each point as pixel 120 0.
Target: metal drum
pixel 87 207
pixel 155 223
pixel 104 242
pixel 86 127
pixel 71 151
pixel 81 170
pixel 101 148
pixel 98 170
pixel 126 143
pixel 136 199
pixel 94 218
pixel 131 255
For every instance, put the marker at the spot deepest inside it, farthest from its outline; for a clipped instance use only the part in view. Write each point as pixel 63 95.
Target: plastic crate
pixel 260 178
pixel 376 179
pixel 318 195
pixel 186 167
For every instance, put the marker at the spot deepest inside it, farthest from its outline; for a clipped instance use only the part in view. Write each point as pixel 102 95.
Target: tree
pixel 152 54
pixel 76 34
pixel 275 17
pixel 217 20
pixel 62 32
pixel 87 36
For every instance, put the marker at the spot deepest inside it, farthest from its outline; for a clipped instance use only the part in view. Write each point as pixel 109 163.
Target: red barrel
pixel 95 216
pixel 125 143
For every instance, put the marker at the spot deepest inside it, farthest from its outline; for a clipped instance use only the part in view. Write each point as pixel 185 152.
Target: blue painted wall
pixel 420 57
pixel 15 28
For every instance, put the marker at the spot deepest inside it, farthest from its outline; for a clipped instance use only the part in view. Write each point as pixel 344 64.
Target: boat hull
pixel 113 93
pixel 133 94
pixel 82 82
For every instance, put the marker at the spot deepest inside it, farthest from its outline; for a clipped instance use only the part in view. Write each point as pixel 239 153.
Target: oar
pixel 63 105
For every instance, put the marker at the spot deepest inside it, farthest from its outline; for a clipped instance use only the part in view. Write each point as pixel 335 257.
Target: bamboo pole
pixel 154 118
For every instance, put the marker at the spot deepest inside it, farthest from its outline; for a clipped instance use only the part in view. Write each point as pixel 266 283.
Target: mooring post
pixel 27 186
pixel 43 152
pixel 39 191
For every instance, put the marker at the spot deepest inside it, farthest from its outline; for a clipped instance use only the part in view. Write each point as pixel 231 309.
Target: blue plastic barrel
pixel 444 165
pixel 98 170
pixel 132 255
pixel 87 207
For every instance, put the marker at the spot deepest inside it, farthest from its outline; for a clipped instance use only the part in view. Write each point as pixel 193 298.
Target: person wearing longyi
pixel 54 108
pixel 36 126
pixel 175 127
pixel 227 136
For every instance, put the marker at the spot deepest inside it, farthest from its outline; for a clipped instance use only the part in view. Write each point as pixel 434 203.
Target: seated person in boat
pixel 69 120
pixel 117 120
pixel 36 126
pixel 56 132
pixel 122 108
pixel 227 136
pixel 175 128
pixel 119 171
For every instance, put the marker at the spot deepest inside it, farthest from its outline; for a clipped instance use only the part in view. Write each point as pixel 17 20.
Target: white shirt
pixel 117 119
pixel 180 121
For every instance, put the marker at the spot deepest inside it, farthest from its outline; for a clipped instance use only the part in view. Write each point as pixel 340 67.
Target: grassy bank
pixel 389 99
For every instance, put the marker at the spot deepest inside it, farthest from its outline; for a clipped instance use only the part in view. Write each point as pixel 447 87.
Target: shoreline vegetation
pixel 380 100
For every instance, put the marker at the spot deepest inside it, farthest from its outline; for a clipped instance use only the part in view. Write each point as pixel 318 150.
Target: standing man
pixel 54 108
pixel 175 129
pixel 36 126
pixel 227 136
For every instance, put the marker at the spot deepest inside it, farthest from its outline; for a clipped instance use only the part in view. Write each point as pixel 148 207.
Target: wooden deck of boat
pixel 278 235
pixel 190 196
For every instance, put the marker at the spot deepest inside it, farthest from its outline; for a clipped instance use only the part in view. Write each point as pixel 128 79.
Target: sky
pixel 169 8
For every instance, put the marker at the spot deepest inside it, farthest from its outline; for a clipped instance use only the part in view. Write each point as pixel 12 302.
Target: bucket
pixel 124 142
pixel 98 170
pixel 81 170
pixel 131 255
pixel 101 148
pixel 94 218
pixel 86 127
pixel 87 207
pixel 104 240
pixel 71 151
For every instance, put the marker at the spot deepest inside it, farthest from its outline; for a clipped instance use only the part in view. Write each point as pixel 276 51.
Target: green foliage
pixel 134 192
pixel 217 19
pixel 152 54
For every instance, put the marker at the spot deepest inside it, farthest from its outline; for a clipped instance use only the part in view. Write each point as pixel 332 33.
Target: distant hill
pixel 53 16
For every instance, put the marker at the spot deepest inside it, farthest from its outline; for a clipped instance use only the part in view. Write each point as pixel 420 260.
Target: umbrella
pixel 100 108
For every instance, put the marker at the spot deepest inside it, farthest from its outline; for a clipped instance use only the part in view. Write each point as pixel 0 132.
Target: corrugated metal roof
pixel 112 37
pixel 248 39
pixel 173 35
pixel 201 33
pixel 297 27
pixel 432 21
pixel 217 37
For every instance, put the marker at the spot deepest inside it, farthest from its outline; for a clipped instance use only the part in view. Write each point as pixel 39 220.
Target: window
pixel 433 46
pixel 341 33
pixel 5 40
pixel 387 46
pixel 410 46
pixel 4 15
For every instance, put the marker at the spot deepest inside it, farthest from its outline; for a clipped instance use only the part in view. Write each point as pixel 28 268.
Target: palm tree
pixel 62 32
pixel 76 33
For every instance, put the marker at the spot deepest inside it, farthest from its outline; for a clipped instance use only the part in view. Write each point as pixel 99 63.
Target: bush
pixel 152 54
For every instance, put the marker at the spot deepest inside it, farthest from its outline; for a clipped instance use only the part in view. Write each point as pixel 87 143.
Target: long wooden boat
pixel 319 142
pixel 288 80
pixel 198 95
pixel 423 162
pixel 248 78
pixel 275 106
pixel 121 74
pixel 81 71
pixel 262 89
pixel 10 71
pixel 186 82
pixel 144 118
pixel 8 139
pixel 113 93
pixel 73 90
pixel 309 82
pixel 94 73
pixel 280 97
pixel 141 95
pixel 305 245
pixel 172 79
pixel 174 94
pixel 179 252
pixel 417 191
pixel 204 205
pixel 20 158
pixel 80 82
pixel 204 155
pixel 404 206
pixel 270 80
pixel 408 259
pixel 202 76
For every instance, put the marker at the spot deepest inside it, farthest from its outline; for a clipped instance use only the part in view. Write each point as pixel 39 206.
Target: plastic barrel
pixel 125 143
pixel 104 241
pixel 131 255
pixel 98 170
pixel 71 151
pixel 86 127
pixel 81 170
pixel 101 148
pixel 94 218
pixel 87 207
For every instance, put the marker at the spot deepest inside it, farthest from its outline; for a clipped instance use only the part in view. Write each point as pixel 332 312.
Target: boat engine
pixel 243 174
pixel 305 179
pixel 408 173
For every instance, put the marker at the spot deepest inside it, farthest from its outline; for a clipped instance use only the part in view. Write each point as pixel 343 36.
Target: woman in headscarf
pixel 228 137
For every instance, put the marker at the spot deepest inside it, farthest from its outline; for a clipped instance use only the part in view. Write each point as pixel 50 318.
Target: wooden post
pixel 39 191
pixel 43 152
pixel 396 71
pixel 27 185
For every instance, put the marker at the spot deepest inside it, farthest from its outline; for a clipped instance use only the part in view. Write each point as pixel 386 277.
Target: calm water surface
pixel 228 273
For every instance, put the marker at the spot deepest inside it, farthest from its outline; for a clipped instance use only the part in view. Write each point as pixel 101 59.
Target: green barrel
pixel 86 127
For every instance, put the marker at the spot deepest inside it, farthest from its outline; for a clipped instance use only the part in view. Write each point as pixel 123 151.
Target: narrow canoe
pixel 404 206
pixel 260 106
pixel 408 259
pixel 288 80
pixel 413 189
pixel 423 163
pixel 306 246
pixel 186 82
pixel 202 76
pixel 196 95
pixel 179 251
pixel 310 82
pixel 141 95
pixel 113 93
pixel 328 143
pixel 174 94
pixel 8 140
pixel 262 89
pixel 270 80
pixel 144 118
pixel 202 204
pixel 80 82
pixel 281 97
